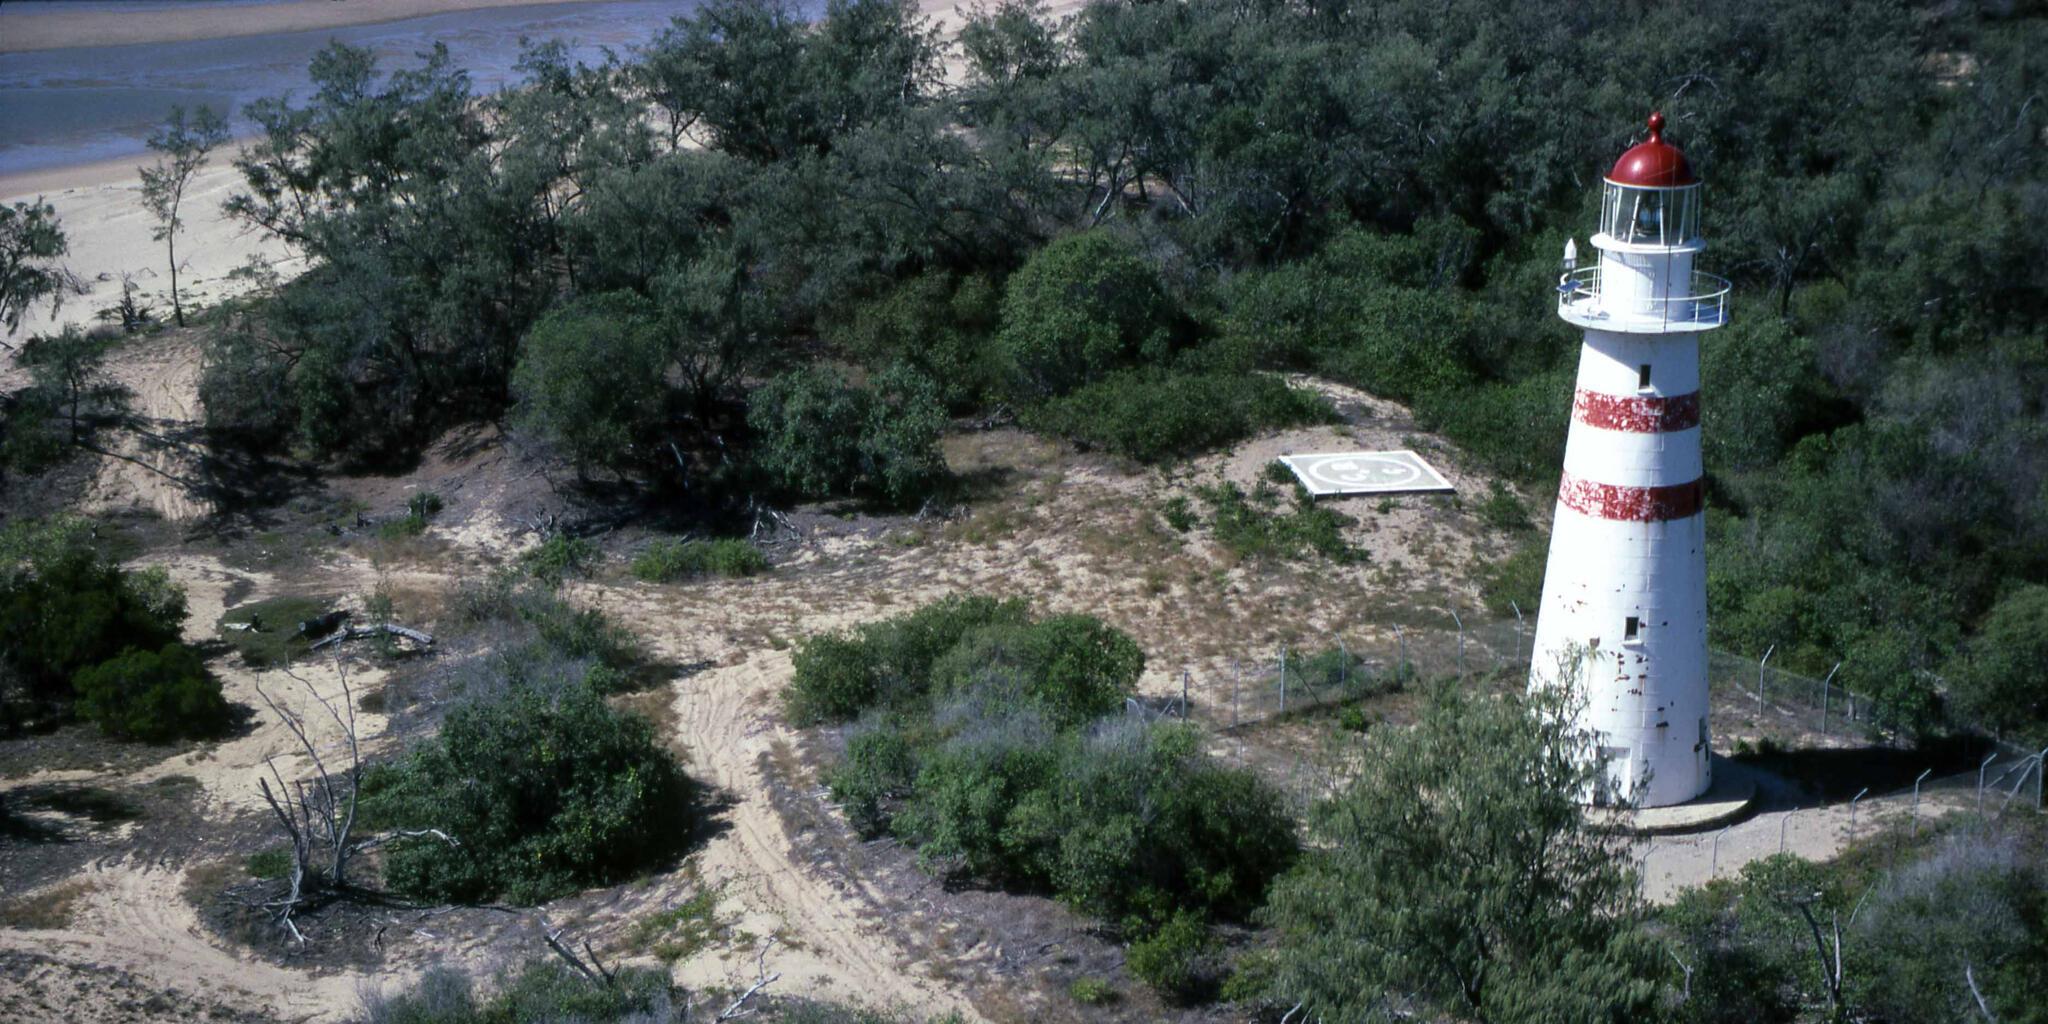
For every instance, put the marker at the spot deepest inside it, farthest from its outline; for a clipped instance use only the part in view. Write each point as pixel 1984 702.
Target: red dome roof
pixel 1653 163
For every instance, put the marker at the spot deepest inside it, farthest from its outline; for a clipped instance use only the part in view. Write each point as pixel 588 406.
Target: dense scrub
pixel 84 634
pixel 546 992
pixel 817 246
pixel 545 787
pixel 1952 926
pixel 992 742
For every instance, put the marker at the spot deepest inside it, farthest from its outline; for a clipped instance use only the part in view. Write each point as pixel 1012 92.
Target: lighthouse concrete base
pixel 1731 798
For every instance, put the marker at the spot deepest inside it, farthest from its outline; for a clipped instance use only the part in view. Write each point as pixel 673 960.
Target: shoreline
pixel 62 30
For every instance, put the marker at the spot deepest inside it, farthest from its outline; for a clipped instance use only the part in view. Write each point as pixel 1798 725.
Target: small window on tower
pixel 1632 630
pixel 1643 377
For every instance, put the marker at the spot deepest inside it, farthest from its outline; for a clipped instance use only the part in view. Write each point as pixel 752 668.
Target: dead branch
pixel 1970 977
pixel 593 971
pixel 380 629
pixel 762 979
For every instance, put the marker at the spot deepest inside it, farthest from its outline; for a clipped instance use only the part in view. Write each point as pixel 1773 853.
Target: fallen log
pixel 380 629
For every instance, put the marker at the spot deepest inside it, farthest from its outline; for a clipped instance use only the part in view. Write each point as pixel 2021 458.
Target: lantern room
pixel 1652 197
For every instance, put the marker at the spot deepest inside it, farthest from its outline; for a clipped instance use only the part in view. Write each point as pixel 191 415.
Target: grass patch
pixel 666 561
pixel 272 863
pixel 272 636
pixel 684 930
pixel 1515 581
pixel 51 908
pixel 1093 992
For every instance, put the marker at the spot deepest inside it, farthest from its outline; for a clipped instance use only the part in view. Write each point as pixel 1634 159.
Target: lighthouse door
pixel 1610 786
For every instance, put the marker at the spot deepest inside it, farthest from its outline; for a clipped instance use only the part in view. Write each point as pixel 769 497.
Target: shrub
pixel 1251 526
pixel 818 436
pixel 65 604
pixel 665 561
pixel 1170 959
pixel 541 990
pixel 1153 415
pixel 1502 510
pixel 840 674
pixel 153 695
pixel 940 325
pixel 1178 514
pixel 559 557
pixel 1515 581
pixel 547 788
pixel 1080 307
pixel 1092 992
pixel 420 509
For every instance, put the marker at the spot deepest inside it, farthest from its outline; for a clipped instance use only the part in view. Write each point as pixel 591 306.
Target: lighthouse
pixel 1624 611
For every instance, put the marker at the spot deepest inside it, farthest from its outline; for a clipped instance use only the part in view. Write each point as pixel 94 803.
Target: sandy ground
pixel 100 207
pixel 45 29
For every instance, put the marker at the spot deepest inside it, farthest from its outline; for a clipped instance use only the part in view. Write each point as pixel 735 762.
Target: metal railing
pixel 1579 301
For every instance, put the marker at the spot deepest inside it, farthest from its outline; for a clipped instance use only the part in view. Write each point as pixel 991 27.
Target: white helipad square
pixel 1341 473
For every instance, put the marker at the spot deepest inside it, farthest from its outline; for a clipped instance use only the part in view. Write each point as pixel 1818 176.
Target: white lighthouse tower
pixel 1624 611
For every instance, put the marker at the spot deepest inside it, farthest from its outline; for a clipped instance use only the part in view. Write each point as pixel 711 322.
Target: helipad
pixel 1341 473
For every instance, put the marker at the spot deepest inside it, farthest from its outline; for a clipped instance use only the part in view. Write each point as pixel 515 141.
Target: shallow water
pixel 63 107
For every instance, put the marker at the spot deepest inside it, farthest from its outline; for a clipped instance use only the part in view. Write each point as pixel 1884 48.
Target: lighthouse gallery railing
pixel 1579 301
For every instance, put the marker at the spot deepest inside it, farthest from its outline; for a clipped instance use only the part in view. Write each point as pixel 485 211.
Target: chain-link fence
pixel 1755 704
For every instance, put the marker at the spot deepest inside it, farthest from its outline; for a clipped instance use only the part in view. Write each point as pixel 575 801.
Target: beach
pixel 99 201
pixel 49 26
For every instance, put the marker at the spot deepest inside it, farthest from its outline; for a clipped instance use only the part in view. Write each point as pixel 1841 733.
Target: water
pixel 64 107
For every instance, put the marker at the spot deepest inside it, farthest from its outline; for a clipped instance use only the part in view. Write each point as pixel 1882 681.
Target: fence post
pixel 1852 809
pixel 1916 799
pixel 1782 822
pixel 1518 631
pixel 1760 677
pixel 1184 695
pixel 1401 665
pixel 1236 677
pixel 1343 669
pixel 1714 869
pixel 1461 641
pixel 1980 780
pixel 1283 679
pixel 1826 691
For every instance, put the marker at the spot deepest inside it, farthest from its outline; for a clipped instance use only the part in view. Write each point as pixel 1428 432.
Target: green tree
pixel 592 376
pixel 31 240
pixel 1460 866
pixel 66 605
pixel 184 143
pixel 2000 681
pixel 1081 307
pixel 817 435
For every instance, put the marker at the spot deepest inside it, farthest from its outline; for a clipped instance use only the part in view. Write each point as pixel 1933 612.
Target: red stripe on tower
pixel 1631 504
pixel 1637 414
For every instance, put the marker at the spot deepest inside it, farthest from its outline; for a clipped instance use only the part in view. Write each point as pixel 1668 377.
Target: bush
pixel 939 325
pixel 559 557
pixel 1502 510
pixel 665 561
pixel 540 991
pixel 153 695
pixel 66 605
pixel 1515 581
pixel 990 744
pixel 547 788
pixel 817 436
pixel 1170 959
pixel 840 674
pixel 1080 307
pixel 1153 415
pixel 1251 526
pixel 1092 992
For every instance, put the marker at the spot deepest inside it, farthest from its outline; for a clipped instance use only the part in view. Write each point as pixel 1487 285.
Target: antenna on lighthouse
pixel 1571 254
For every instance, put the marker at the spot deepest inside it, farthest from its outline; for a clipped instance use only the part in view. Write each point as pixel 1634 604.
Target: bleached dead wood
pixel 379 629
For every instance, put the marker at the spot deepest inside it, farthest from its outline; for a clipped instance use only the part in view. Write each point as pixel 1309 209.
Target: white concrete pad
pixel 1340 473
